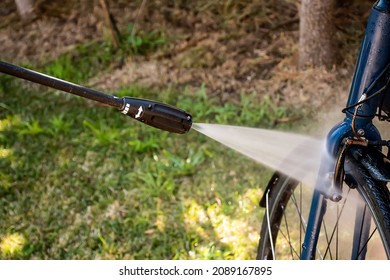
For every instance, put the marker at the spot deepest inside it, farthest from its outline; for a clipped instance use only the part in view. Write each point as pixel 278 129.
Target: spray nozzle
pixel 157 114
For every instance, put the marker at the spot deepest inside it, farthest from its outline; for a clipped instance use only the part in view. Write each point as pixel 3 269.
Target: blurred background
pixel 80 181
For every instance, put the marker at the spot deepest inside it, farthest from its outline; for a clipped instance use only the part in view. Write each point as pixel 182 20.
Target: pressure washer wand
pixel 150 112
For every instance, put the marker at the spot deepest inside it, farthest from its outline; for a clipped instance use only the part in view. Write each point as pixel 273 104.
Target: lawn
pixel 81 181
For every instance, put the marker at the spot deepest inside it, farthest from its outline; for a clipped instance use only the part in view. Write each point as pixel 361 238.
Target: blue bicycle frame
pixel 372 74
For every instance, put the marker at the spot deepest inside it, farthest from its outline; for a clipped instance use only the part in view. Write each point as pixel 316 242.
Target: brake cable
pixel 364 97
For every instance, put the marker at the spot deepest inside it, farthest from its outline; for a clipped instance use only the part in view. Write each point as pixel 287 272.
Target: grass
pixel 140 42
pixel 83 62
pixel 85 182
pixel 88 59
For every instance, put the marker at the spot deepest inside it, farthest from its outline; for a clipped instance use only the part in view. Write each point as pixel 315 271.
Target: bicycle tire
pixel 281 192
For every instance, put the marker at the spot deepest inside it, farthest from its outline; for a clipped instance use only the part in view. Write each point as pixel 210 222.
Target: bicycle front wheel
pixel 357 227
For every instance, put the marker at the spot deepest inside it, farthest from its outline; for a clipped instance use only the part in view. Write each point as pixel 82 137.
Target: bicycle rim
pixel 360 215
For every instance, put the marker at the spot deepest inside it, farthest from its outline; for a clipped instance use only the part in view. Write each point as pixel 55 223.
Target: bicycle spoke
pixel 337 223
pixel 366 243
pixel 303 224
pixel 300 208
pixel 269 226
pixel 288 232
pixel 289 243
pixel 327 237
pixel 301 218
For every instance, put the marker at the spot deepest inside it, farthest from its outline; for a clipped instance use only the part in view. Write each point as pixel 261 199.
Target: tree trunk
pixel 25 9
pixel 316 34
pixel 110 24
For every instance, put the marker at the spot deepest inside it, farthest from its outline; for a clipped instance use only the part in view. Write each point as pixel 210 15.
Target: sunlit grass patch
pixel 9 121
pixel 5 153
pixel 11 245
pixel 196 218
pixel 238 231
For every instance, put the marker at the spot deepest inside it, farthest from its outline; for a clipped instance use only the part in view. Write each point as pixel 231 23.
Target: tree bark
pixel 26 9
pixel 110 24
pixel 316 34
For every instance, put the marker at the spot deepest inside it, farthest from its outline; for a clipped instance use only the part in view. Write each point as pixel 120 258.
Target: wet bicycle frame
pixel 368 98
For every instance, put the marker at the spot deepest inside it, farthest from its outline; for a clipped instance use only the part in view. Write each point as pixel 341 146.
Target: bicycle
pixel 355 181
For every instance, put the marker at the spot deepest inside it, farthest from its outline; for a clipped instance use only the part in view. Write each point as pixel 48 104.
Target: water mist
pixel 295 155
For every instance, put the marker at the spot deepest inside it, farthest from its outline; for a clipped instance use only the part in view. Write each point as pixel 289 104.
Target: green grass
pixel 83 62
pixel 85 182
pixel 141 42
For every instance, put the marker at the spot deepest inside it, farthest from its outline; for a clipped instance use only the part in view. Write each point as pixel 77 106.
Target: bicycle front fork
pixel 317 211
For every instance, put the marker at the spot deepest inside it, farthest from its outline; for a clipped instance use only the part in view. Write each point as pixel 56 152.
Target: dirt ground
pixel 230 47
